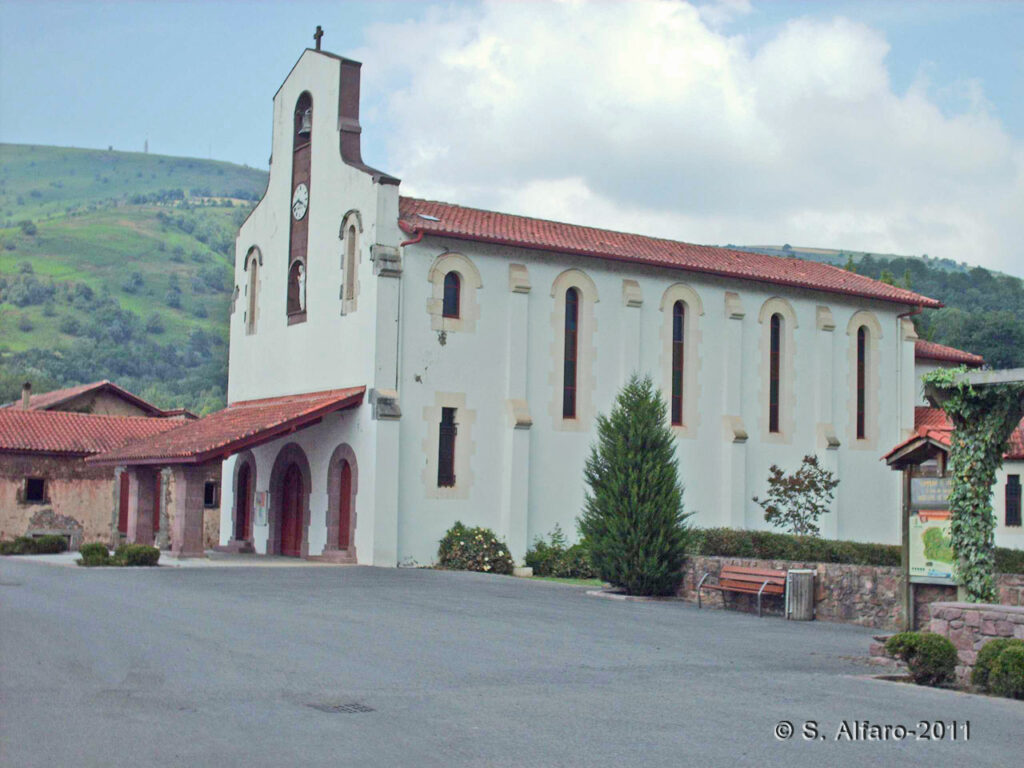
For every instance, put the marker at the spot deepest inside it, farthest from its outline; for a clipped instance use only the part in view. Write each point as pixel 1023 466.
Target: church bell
pixel 307 123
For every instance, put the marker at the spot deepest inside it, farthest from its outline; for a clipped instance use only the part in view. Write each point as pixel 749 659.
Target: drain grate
pixel 350 708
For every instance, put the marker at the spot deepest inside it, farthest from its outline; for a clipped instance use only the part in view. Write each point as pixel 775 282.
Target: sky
pixel 889 127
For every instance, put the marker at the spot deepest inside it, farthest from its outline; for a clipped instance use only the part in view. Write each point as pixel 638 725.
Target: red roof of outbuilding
pixel 241 425
pixel 929 350
pixel 80 434
pixel 933 424
pixel 48 401
pixel 433 218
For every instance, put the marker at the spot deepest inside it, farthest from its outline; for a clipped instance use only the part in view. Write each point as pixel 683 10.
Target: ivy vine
pixel 983 419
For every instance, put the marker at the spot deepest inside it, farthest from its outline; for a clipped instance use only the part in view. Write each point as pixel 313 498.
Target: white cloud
pixel 647 117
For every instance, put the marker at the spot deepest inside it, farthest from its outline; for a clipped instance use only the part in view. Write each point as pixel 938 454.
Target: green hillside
pixel 118 265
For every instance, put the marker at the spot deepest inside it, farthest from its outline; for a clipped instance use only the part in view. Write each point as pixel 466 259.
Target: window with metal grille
pixel 862 362
pixel 572 317
pixel 452 286
pixel 678 327
pixel 446 449
pixel 774 363
pixel 1013 495
pixel 35 489
pixel 350 265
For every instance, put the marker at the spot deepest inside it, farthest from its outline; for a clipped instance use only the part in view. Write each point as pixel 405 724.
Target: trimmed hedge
pixel 94 554
pixel 1007 675
pixel 986 657
pixel 931 658
pixel 26 545
pixel 136 555
pixel 765 545
pixel 473 549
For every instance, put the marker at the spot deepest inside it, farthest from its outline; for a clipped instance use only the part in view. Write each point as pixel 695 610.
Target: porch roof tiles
pixel 241 425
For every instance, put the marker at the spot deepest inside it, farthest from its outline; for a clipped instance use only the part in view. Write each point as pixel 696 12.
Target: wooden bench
pixel 753 581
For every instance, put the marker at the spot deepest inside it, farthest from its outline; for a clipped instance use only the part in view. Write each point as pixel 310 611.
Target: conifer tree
pixel 633 520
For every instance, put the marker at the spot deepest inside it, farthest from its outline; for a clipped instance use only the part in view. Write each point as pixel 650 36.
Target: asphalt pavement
pixel 362 666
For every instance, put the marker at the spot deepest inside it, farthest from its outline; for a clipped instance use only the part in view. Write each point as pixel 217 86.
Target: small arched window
pixel 572 318
pixel 678 358
pixel 303 120
pixel 862 364
pixel 297 288
pixel 452 290
pixel 774 374
pixel 252 287
pixel 350 263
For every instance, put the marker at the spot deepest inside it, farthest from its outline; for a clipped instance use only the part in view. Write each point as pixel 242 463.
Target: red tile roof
pixel 933 424
pixel 929 350
pixel 433 218
pixel 48 401
pixel 80 434
pixel 241 425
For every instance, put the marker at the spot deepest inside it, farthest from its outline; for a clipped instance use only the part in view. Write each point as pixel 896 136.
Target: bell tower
pixel 302 144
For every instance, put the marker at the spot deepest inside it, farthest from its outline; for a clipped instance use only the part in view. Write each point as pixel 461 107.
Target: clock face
pixel 300 201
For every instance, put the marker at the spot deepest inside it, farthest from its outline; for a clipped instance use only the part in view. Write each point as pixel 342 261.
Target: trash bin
pixel 800 595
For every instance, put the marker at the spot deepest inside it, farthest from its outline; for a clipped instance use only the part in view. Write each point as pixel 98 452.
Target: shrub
pixel 556 559
pixel 797 500
pixel 51 545
pixel 986 657
pixel 931 658
pixel 473 549
pixel 94 554
pixel 1009 560
pixel 7 548
pixel 633 517
pixel 23 545
pixel 136 555
pixel 1007 675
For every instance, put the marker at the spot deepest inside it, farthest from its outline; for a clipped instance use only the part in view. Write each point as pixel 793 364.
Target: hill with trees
pixel 119 265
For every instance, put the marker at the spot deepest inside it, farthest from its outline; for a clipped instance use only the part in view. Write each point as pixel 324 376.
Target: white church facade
pixel 488 343
pixel 397 365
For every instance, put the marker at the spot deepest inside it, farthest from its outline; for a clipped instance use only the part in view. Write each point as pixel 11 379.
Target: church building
pixel 399 364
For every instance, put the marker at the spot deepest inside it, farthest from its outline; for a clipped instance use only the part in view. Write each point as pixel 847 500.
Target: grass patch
pixel 571 582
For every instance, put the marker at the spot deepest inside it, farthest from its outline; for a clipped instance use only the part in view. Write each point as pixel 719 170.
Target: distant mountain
pixel 840 257
pixel 118 265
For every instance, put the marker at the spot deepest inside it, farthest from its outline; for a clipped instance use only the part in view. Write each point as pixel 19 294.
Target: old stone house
pixel 46 487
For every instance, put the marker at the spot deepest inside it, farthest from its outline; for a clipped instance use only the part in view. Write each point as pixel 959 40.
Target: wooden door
pixel 345 506
pixel 122 512
pixel 243 504
pixel 291 513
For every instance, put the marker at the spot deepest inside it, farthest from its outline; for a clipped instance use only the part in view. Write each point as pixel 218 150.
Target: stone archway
pixel 342 486
pixel 290 486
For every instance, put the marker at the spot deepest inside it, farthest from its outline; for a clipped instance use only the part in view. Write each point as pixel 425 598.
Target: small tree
pixel 795 502
pixel 633 519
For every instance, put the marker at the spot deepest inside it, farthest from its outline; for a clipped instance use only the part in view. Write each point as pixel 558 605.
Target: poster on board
pixel 262 502
pixel 932 560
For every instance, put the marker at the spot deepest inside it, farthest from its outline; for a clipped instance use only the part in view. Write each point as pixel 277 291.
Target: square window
pixel 35 489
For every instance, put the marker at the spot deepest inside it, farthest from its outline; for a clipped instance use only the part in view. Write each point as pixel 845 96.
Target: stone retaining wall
pixel 867 595
pixel 970 625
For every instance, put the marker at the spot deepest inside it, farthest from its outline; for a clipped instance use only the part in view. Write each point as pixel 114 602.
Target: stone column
pixel 514 522
pixel 733 478
pixel 142 498
pixel 187 524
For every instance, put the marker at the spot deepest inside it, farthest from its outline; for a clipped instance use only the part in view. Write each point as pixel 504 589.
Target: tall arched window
pixel 572 318
pixel 862 363
pixel 774 376
pixel 452 288
pixel 678 358
pixel 251 289
pixel 350 264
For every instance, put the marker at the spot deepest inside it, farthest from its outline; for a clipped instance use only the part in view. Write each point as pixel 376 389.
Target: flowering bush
pixel 558 559
pixel 473 549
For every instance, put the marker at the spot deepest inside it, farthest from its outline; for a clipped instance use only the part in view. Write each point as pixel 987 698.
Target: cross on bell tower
pixel 317 35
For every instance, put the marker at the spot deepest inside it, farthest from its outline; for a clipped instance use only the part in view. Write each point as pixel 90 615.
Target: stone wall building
pixel 46 487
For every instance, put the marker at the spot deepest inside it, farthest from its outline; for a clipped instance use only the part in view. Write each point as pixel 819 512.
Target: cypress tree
pixel 633 519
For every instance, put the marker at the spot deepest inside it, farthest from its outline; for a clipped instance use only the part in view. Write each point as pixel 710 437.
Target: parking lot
pixel 358 666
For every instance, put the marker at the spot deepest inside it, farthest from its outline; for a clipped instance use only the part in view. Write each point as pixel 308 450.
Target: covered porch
pixel 187 454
